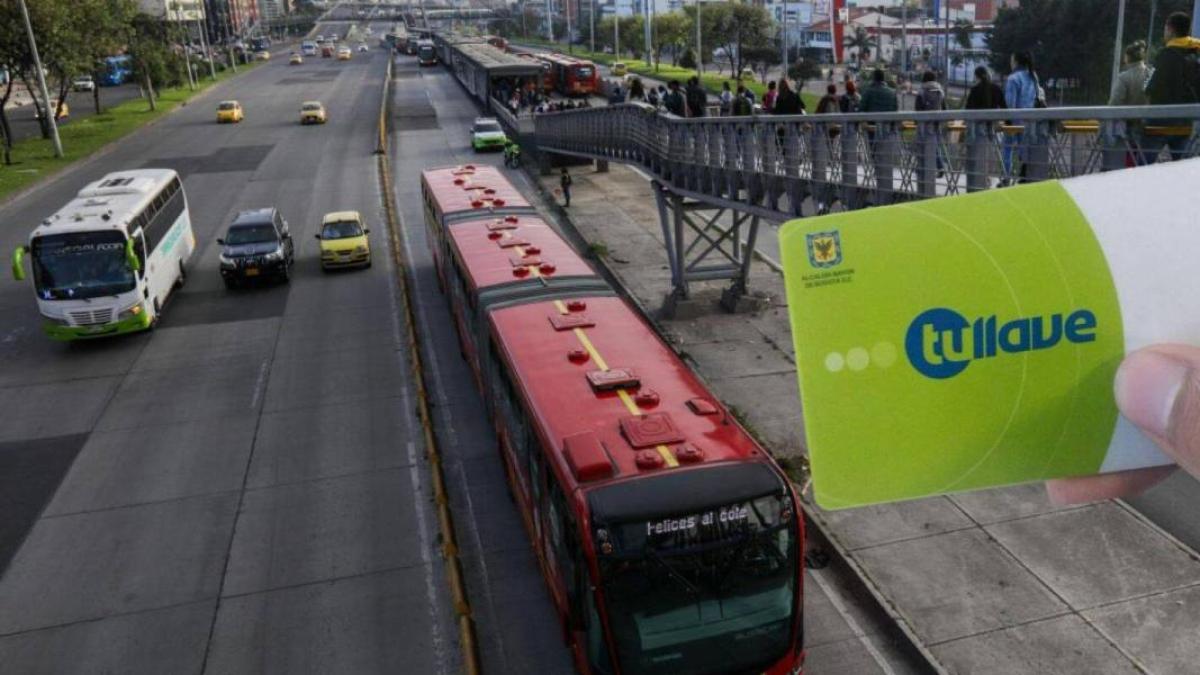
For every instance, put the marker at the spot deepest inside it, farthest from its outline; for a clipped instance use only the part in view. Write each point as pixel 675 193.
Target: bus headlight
pixel 130 312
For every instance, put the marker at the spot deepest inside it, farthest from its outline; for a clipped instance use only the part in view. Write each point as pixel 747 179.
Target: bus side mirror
pixel 131 257
pixel 366 230
pixel 18 263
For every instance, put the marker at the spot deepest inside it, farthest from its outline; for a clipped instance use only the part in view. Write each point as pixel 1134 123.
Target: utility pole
pixel 212 70
pixel 784 41
pixel 1116 69
pixel 904 37
pixel 592 25
pixel 699 58
pixel 47 110
pixel 646 26
pixel 567 6
pixel 549 20
pixel 947 43
pixel 616 32
pixel 1150 30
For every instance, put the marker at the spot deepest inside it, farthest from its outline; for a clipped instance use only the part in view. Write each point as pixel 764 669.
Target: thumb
pixel 1158 389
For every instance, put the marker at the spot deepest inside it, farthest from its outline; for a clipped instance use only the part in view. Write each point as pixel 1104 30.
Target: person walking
pixel 829 102
pixel 984 94
pixel 931 97
pixel 878 96
pixel 637 91
pixel 564 181
pixel 768 103
pixel 1130 89
pixel 697 98
pixel 1021 90
pixel 1175 79
pixel 741 106
pixel 787 102
pixel 673 100
pixel 726 99
pixel 849 102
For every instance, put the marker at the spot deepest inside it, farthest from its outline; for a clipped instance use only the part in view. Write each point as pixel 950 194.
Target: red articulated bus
pixel 572 76
pixel 670 541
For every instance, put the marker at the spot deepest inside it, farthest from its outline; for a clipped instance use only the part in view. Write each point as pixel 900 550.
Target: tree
pixel 762 59
pixel 861 42
pixel 110 23
pixel 734 26
pixel 962 33
pixel 150 56
pixel 14 52
pixel 668 30
pixel 803 70
pixel 1073 39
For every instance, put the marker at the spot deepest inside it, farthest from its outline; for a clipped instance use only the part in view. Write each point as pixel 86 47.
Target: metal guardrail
pixel 778 167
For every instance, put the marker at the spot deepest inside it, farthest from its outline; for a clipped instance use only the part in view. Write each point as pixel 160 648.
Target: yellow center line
pixel 562 309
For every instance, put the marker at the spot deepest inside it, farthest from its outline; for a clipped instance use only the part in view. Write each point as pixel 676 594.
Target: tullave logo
pixel 941 343
pixel 824 248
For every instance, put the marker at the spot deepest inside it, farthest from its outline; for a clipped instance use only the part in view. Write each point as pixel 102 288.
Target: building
pixel 174 10
pixel 229 19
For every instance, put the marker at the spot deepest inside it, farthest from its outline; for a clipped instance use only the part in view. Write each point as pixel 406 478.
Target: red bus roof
pixel 564 60
pixel 470 187
pixel 500 250
pixel 613 400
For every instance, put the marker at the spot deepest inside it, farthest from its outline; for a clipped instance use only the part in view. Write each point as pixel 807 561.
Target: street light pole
pixel 41 77
pixel 212 70
pixel 616 32
pixel 646 26
pixel 699 58
pixel 592 25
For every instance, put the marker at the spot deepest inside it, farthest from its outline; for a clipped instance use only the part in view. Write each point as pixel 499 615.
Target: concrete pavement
pixel 999 581
pixel 238 491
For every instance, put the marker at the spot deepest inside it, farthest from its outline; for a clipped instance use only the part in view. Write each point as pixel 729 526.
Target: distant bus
pixel 105 263
pixel 571 76
pixel 115 70
pixel 426 53
pixel 260 44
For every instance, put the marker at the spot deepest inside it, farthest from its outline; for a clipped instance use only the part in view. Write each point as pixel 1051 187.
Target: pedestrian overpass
pixel 776 168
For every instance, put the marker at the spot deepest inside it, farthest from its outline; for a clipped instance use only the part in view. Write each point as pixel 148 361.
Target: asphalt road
pixel 238 491
pixel 80 104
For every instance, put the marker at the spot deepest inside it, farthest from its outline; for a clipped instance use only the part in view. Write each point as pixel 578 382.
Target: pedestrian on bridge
pixel 851 100
pixel 768 103
pixel 726 99
pixel 637 92
pixel 787 101
pixel 673 100
pixel 1174 80
pixel 564 182
pixel 697 98
pixel 1021 90
pixel 984 94
pixel 878 96
pixel 1130 89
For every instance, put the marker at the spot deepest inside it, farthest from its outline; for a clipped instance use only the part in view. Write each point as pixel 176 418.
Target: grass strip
pixel 34 160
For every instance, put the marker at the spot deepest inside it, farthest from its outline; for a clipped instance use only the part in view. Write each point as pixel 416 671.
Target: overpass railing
pixel 783 166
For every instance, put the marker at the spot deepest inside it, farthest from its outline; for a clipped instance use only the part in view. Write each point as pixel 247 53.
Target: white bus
pixel 105 263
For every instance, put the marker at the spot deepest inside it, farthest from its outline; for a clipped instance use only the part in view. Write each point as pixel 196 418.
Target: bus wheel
pixel 154 319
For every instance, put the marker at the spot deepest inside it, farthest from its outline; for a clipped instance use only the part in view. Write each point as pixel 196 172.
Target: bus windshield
pixel 584 72
pixel 711 592
pixel 80 265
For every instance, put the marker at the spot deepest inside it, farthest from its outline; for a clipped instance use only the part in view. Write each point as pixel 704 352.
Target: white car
pixel 83 83
pixel 362 48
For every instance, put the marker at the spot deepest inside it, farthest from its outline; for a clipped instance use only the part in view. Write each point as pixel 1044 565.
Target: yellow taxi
pixel 262 55
pixel 619 69
pixel 229 111
pixel 344 241
pixel 312 112
pixel 344 53
pixel 295 60
pixel 63 111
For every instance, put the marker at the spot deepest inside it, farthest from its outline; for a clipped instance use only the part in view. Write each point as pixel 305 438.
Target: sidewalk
pixel 999 581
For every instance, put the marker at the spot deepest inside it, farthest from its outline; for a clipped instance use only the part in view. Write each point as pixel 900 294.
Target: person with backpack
pixel 850 101
pixel 697 98
pixel 878 96
pixel 741 106
pixel 1174 80
pixel 932 97
pixel 673 101
pixel 1021 90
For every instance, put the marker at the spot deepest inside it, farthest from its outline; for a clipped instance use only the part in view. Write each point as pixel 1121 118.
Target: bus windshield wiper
pixel 674 574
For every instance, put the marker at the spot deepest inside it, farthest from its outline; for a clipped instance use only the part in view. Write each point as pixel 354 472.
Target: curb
pixel 458 590
pixel 107 148
pixel 901 632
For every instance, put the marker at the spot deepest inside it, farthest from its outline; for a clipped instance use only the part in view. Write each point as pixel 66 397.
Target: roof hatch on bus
pixel 587 457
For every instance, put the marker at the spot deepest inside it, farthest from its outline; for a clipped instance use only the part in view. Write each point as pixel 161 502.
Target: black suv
pixel 257 244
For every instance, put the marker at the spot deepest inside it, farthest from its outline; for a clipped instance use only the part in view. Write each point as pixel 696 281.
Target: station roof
pixel 497 61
